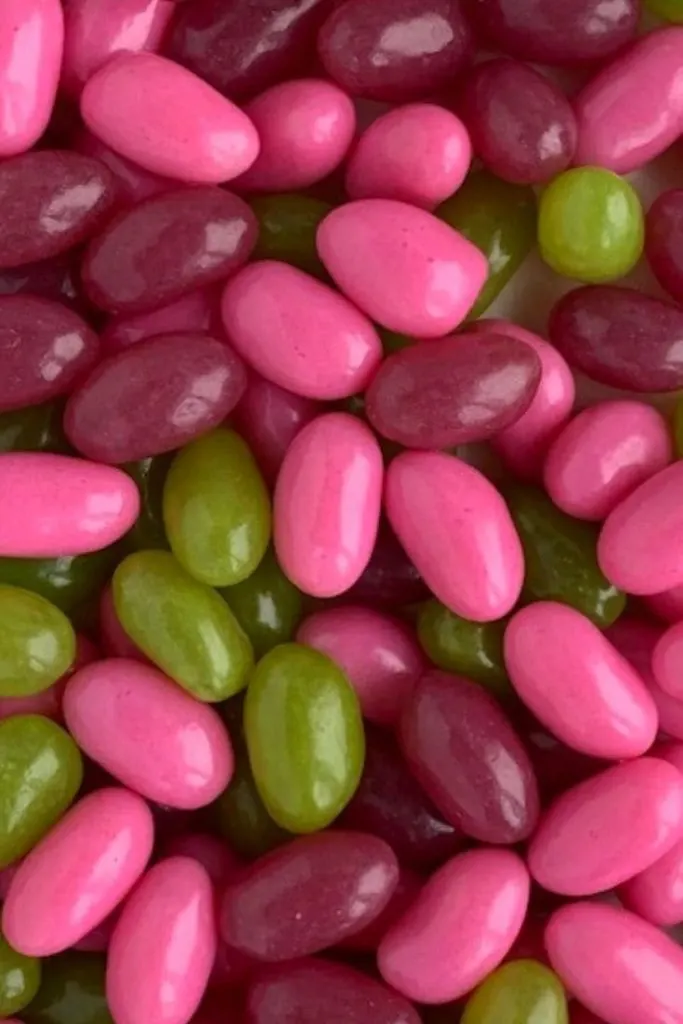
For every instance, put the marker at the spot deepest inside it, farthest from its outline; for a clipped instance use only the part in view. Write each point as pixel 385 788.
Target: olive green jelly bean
pixel 72 991
pixel 19 979
pixel 287 228
pixel 182 625
pixel 677 425
pixel 305 737
pixel 37 642
pixel 68 582
pixel 150 476
pixel 40 773
pixel 35 429
pixel 267 605
pixel 519 992
pixel 472 649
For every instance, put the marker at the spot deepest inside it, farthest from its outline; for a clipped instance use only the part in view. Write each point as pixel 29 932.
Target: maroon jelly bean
pixel 408 886
pixel 50 279
pixel 557 767
pixel 619 336
pixel 167 246
pixel 453 390
pixel 521 124
pixel 664 241
pixel 395 50
pixel 51 200
pixel 154 397
pixel 470 761
pixel 390 579
pixel 308 895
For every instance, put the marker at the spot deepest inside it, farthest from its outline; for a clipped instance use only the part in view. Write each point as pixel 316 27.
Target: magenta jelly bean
pixel 664 241
pixel 667 661
pixel 460 927
pixel 390 579
pixel 133 183
pixel 597 703
pixel 327 504
pixel 418 153
pixel 418 276
pixel 213 854
pixel 163 946
pixel 456 528
pixel 656 894
pixel 308 895
pixel 79 873
pixel 148 733
pixel 620 967
pixel 366 941
pixel 191 314
pixel 113 639
pixel 668 605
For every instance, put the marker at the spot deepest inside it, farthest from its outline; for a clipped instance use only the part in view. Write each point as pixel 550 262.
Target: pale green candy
pixel 37 642
pixel 519 992
pixel 19 979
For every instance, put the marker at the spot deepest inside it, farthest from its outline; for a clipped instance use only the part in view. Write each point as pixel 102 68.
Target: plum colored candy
pixel 133 183
pixel 220 862
pixel 366 941
pixel 53 278
pixel 664 241
pixel 191 314
pixel 390 579
pixel 636 640
pixel 269 418
pixel 667 606
pixel 667 661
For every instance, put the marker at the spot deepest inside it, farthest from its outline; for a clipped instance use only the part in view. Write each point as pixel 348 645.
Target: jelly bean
pixel 597 703
pixel 113 639
pixel 500 219
pixel 37 428
pixel 56 506
pixel 71 991
pixel 49 702
pixel 308 895
pixel 163 946
pixel 671 10
pixel 149 475
pixel 464 544
pixel 667 661
pixel 609 980
pixel 191 314
pixel 267 605
pixel 667 606
pixel 287 229
pixel 390 579
pixel 133 183
pixel 79 873
pixel 219 861
pixel 327 504
pixel 53 278
pixel 656 893
pixel 304 732
pixel 69 582
pixel 37 642
pixel 167 246
pixel 471 649
pixel 461 747
pixel 366 941
pixel 32 35
pixel 19 978
pixel 458 929
pixel 631 111
pixel 299 333
pixel 418 276
pixel 453 390
pixel 523 989
pixel 664 241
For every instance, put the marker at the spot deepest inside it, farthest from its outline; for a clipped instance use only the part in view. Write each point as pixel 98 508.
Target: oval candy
pixel 37 643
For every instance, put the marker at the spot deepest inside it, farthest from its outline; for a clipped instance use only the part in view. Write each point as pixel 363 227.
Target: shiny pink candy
pixel 667 661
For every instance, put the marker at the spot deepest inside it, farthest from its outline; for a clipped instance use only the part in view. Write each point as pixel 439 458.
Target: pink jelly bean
pixel 163 946
pixel 419 153
pixel 620 967
pixel 55 505
pixel 299 333
pixel 190 314
pixel 668 605
pixel 31 45
pixel 148 733
pixel 114 640
pixel 134 183
pixel 667 661
pixel 49 702
pixel 671 752
pixel 597 703
pixel 79 873
pixel 327 504
pixel 657 893
pixel 459 928
pixel 378 653
pixel 163 117
pixel 633 109
pixel 456 528
pixel 603 455
pixel 6 876
pixel 417 276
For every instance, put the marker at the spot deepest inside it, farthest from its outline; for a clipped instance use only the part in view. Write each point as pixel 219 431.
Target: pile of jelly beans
pixel 341 634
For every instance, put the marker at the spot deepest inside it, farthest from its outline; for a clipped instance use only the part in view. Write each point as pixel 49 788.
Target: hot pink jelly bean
pixel 191 314
pixel 299 333
pixel 31 45
pixel 114 640
pixel 457 530
pixel 656 894
pixel 418 276
pixel 79 873
pixel 327 504
pixel 54 505
pixel 163 946
pixel 620 967
pixel 133 183
pixel 419 154
pixel 148 733
pixel 668 605
pixel 597 703
pixel 633 109
pixel 459 928
pixel 667 661
pixel 378 653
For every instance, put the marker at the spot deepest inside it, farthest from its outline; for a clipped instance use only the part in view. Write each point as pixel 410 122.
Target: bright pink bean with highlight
pixel 133 183
pixel 667 661
pixel 191 314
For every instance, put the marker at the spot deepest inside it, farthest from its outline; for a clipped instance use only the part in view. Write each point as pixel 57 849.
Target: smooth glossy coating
pixel 148 734
pixel 390 578
pixel 113 639
pixel 667 661
pixel 523 990
pixel 191 314
pixel 418 276
pixel 50 279
pixel 37 643
pixel 19 979
pixel 470 649
pixel 664 241
pixel 456 528
pixel 36 428
pixel 49 702
pixel 667 606
pixel 577 684
pixel 69 582
pixel 656 894
pixel 267 605
pixel 133 183
pixel 287 226
pixel 636 639
pixel 149 475
pixel 269 418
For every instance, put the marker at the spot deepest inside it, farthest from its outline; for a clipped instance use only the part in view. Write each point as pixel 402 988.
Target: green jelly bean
pixel 677 424
pixel 40 773
pixel 519 992
pixel 287 229
pixel 72 991
pixel 591 225
pixel 471 649
pixel 267 605
pixel 560 557
pixel 392 341
pixel 37 642
pixel 67 582
pixel 670 10
pixel 305 737
pixel 19 979
pixel 500 219
pixel 150 476
pixel 217 509
pixel 35 429
pixel 183 626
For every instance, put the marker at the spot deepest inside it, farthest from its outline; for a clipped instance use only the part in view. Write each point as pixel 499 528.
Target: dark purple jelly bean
pixel 521 124
pixel 154 397
pixel 469 759
pixel 452 390
pixel 308 895
pixel 619 336
pixel 50 279
pixel 390 579
pixel 50 200
pixel 395 50
pixel 664 241
pixel 167 246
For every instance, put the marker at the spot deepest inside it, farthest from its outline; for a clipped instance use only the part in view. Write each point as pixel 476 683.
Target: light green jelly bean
pixel 519 992
pixel 304 734
pixel 267 605
pixel 182 625
pixel 72 991
pixel 41 771
pixel 19 979
pixel 471 649
pixel 37 642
